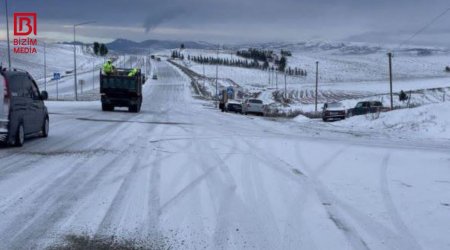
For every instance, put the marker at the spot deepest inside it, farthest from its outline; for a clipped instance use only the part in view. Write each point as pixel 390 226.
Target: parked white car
pixel 253 106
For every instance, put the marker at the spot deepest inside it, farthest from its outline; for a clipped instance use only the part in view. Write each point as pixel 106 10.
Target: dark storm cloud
pixel 246 19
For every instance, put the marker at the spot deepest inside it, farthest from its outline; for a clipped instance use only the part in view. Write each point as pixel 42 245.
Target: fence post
pixel 409 99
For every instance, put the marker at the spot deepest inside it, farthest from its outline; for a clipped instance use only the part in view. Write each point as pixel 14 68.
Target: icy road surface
pixel 183 172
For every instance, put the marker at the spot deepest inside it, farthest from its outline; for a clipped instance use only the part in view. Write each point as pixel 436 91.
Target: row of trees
pixel 254 64
pixel 100 49
pixel 296 72
pixel 176 54
pixel 256 54
pixel 286 53
pixel 266 56
pixel 226 62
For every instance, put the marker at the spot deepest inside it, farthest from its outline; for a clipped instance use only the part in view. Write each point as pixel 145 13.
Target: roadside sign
pixel 230 92
pixel 56 76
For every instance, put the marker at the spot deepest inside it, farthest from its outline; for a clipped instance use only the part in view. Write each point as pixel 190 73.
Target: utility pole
pixel 204 76
pixel 7 35
pixel 75 64
pixel 390 79
pixel 45 67
pixel 317 82
pixel 93 75
pixel 217 75
pixel 276 79
pixel 75 57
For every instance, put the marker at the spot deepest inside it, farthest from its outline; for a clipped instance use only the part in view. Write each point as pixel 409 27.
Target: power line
pixel 425 27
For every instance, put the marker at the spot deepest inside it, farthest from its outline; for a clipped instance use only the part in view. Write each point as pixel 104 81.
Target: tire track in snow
pixel 55 193
pixel 405 235
pixel 371 226
pixel 233 217
pixel 323 194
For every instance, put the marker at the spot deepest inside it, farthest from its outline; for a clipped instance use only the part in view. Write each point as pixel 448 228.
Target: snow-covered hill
pixel 339 62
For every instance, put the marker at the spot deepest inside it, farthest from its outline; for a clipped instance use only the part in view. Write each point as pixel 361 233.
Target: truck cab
pixel 119 89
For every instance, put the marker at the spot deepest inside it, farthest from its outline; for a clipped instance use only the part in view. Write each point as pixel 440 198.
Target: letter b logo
pixel 25 23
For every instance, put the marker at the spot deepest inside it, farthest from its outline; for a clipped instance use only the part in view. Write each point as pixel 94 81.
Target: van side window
pixel 35 90
pixel 31 91
pixel 27 87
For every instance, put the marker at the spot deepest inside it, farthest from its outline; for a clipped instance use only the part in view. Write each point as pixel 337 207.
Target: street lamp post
pixel 317 83
pixel 45 66
pixel 217 76
pixel 7 34
pixel 75 56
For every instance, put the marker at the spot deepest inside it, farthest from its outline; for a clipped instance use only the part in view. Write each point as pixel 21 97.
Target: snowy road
pixel 183 173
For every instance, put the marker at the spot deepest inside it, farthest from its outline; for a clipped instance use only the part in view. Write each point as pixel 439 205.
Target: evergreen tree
pixel 103 50
pixel 96 48
pixel 282 64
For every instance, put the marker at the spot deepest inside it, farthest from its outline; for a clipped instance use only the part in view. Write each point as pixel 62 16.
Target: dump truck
pixel 118 89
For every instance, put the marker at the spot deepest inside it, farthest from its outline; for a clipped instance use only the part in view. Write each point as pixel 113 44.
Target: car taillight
pixel 5 96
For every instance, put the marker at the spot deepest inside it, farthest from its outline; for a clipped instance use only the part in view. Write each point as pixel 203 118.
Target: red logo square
pixel 25 23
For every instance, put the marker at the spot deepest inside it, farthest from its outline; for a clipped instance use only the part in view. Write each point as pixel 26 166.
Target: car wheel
pixel 20 136
pixel 45 127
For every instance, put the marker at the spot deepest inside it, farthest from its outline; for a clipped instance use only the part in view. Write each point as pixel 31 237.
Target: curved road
pixel 180 174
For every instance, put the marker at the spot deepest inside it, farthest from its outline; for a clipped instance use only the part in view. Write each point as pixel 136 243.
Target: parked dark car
pixel 367 107
pixel 23 113
pixel 121 90
pixel 333 111
pixel 234 107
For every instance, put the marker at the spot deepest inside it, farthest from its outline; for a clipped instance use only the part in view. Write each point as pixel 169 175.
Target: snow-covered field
pixel 349 72
pixel 182 175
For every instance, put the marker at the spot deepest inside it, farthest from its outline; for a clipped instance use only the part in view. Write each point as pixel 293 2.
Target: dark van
pixel 22 110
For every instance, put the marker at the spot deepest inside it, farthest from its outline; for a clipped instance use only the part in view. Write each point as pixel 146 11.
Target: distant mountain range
pixel 344 48
pixel 127 46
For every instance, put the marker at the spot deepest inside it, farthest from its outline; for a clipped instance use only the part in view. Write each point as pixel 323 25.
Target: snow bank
pixel 430 121
pixel 301 118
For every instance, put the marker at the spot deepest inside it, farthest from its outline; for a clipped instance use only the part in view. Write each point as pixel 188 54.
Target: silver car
pixel 254 106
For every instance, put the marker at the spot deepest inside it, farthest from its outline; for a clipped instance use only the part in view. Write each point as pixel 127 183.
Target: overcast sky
pixel 236 21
